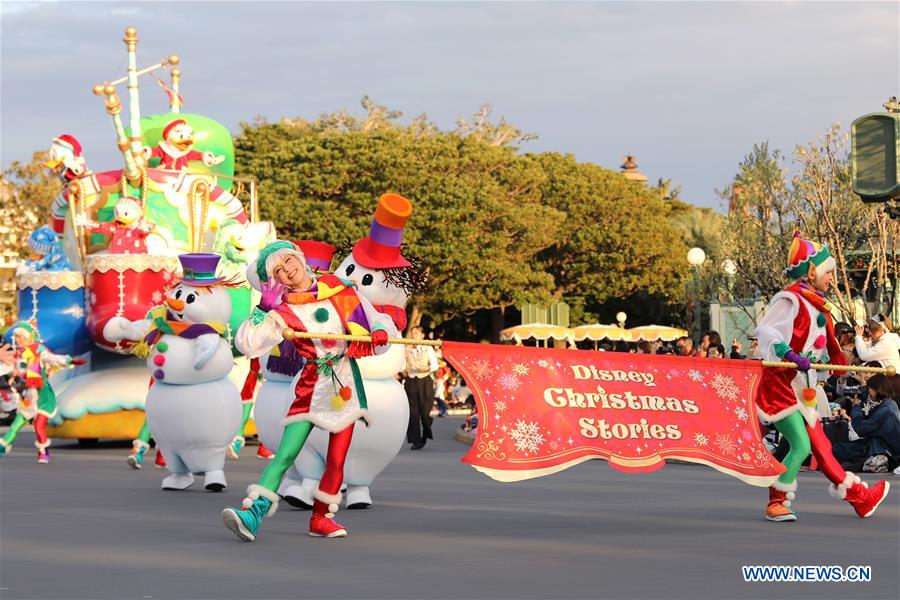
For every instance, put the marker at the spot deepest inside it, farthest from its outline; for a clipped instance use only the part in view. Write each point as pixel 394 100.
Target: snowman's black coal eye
pixel 350 269
pixel 190 298
pixel 178 294
pixel 367 279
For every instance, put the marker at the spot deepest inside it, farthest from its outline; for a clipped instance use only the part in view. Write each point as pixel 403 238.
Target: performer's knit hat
pixel 381 248
pixel 802 253
pixel 28 326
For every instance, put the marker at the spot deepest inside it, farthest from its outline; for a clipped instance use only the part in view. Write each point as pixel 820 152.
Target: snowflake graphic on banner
pixel 156 297
pixel 543 363
pixel 741 413
pixel 695 375
pixel 520 369
pixel 500 406
pixel 725 387
pixel 527 436
pixel 481 368
pixel 701 440
pixel 725 444
pixel 509 382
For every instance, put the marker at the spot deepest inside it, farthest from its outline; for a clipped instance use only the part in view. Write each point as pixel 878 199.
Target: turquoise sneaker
pixel 235 447
pixel 4 447
pixel 136 458
pixel 244 522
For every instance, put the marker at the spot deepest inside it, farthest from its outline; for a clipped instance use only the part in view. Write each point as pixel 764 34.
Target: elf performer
pixel 329 391
pixel 798 328
pixel 318 257
pixel 31 360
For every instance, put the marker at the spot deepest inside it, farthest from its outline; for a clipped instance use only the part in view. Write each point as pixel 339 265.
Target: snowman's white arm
pixel 378 320
pixel 204 348
pixel 120 328
pixel 59 360
pixel 255 340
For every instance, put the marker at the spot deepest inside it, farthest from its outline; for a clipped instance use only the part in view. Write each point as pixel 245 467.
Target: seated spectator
pixel 845 337
pixel 461 395
pixel 878 425
pixel 684 346
pixel 882 344
pixel 707 341
pixel 715 351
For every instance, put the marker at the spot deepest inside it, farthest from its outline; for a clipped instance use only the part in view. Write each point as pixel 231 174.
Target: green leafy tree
pixel 28 190
pixel 616 241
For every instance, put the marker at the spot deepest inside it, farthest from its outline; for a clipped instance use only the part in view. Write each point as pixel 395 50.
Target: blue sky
pixel 686 87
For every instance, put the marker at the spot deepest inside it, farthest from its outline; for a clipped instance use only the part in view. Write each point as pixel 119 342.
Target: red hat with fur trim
pixel 70 142
pixel 171 126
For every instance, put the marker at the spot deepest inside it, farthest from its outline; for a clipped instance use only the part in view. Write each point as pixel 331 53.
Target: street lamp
pixel 696 257
pixel 621 317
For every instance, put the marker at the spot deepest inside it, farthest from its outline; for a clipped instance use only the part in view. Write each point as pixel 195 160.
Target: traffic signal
pixel 875 155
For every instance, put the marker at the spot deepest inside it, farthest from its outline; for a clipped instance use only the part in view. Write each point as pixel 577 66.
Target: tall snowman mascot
pixel 192 408
pixel 387 279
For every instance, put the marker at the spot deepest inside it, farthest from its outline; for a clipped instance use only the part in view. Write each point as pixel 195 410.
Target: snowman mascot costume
pixel 192 408
pixel 278 367
pixel 387 279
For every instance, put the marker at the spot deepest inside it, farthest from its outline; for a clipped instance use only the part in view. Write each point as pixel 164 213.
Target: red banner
pixel 543 410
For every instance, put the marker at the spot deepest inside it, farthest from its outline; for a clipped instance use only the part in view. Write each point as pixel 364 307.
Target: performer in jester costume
pixel 328 393
pixel 318 257
pixel 798 328
pixel 31 360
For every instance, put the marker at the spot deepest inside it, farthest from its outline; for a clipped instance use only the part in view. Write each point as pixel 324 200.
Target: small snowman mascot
pixel 386 278
pixel 192 408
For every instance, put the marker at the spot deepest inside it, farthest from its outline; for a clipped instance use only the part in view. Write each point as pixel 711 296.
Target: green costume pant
pixel 144 434
pixel 248 408
pixel 292 441
pixel 793 427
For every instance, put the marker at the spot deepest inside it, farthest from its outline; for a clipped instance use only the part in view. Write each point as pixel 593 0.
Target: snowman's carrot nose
pixel 175 304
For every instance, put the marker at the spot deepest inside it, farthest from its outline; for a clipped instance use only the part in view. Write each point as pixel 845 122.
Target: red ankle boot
pixel 859 495
pixel 321 523
pixel 160 460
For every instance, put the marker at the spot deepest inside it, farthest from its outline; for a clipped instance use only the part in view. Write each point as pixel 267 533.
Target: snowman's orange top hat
pixel 381 248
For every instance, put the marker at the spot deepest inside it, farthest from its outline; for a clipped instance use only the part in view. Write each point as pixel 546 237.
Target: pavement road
pixel 87 526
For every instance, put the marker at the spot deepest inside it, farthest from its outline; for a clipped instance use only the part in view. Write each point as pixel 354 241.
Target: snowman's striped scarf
pixel 163 323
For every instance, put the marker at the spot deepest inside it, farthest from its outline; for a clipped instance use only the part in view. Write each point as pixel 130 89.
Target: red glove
pixel 78 362
pixel 379 337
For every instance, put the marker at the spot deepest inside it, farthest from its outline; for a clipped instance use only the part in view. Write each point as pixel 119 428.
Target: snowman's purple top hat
pixel 199 269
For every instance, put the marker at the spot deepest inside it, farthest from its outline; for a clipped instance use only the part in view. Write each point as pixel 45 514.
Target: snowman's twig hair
pixel 412 279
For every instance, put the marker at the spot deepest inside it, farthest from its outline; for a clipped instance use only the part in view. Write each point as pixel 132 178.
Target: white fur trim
pixel 769 419
pixel 254 491
pixel 317 420
pixel 786 503
pixel 141 444
pixel 41 446
pixel 834 493
pixel 785 487
pixel 791 495
pixel 5 444
pixel 328 498
pixel 840 491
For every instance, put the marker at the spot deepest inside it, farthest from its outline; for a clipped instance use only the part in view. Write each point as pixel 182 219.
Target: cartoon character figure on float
pixel 176 149
pixel 128 229
pixel 32 361
pixel 192 408
pixel 46 252
pixel 387 278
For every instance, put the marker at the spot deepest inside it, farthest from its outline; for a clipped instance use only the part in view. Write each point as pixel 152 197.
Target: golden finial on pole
pixel 134 101
pixel 114 110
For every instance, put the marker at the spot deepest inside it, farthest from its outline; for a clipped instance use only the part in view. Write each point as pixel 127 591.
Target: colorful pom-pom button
pixel 159 360
pixel 821 320
pixel 345 392
pixel 321 315
pixel 809 396
pixel 159 375
pixel 819 343
pixel 162 346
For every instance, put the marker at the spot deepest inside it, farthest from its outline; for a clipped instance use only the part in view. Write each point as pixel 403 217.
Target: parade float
pixel 111 246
